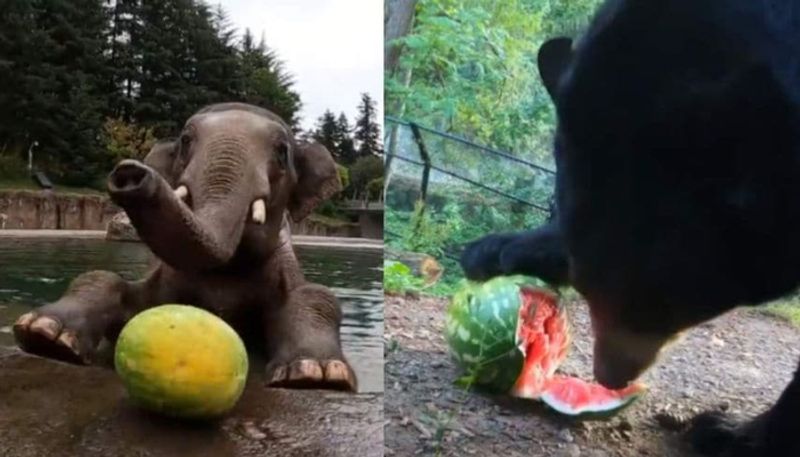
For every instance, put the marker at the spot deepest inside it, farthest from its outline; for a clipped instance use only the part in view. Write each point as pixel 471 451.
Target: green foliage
pixel 441 231
pixel 344 175
pixel 127 140
pixel 469 67
pixel 365 169
pixel 375 188
pixel 12 166
pixel 398 278
pixel 787 308
pixel 328 208
pixel 473 71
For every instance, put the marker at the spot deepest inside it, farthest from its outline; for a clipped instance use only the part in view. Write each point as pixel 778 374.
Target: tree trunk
pixel 398 20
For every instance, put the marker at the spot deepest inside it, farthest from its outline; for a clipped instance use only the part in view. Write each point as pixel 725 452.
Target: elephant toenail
pixel 336 370
pixel 46 327
pixel 305 369
pixel 68 339
pixel 278 375
pixel 25 320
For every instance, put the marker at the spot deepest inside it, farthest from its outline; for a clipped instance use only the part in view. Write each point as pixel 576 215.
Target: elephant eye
pixel 282 152
pixel 186 140
pixel 186 143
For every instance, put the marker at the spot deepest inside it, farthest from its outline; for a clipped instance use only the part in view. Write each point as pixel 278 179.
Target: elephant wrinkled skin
pixel 213 206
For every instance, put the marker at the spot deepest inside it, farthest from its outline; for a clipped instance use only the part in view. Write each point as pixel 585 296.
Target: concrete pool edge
pixel 52 408
pixel 297 240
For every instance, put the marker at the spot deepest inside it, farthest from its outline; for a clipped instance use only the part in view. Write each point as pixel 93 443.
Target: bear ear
pixel 317 179
pixel 161 158
pixel 554 57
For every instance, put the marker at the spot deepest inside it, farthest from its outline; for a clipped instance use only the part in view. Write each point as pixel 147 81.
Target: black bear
pixel 678 185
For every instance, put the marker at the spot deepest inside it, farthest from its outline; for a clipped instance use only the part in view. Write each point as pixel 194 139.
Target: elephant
pixel 213 205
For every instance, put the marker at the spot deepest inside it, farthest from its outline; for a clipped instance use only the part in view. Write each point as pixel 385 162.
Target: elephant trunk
pixel 186 240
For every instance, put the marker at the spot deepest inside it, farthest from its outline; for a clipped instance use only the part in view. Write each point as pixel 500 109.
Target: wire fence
pixel 468 190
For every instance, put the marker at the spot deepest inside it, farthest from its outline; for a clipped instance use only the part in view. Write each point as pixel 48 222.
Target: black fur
pixel 678 187
pixel 537 253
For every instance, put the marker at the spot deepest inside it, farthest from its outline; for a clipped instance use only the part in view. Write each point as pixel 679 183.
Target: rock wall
pixel 120 228
pixel 23 209
pixel 321 227
pixel 33 210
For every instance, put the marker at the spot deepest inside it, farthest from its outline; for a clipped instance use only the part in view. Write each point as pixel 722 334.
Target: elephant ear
pixel 162 159
pixel 317 179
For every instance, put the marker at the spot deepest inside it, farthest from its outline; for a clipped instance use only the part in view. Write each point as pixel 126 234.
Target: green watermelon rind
pixel 494 361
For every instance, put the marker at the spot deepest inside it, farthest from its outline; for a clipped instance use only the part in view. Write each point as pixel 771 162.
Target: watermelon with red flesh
pixel 511 334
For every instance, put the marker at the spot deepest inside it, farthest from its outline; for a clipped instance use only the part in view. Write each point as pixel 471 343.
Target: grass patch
pixel 787 309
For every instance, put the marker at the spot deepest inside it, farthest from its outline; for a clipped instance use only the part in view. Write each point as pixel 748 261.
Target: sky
pixel 333 48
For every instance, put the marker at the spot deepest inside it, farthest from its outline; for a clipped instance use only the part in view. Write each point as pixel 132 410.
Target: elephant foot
pixel 306 373
pixel 48 336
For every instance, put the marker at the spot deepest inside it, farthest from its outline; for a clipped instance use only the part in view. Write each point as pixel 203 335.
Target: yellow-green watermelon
pixel 510 334
pixel 181 361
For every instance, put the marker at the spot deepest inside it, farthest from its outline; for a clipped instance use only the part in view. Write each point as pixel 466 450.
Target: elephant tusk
pixel 181 192
pixel 259 211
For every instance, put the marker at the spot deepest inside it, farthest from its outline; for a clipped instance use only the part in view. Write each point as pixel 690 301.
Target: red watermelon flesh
pixel 575 396
pixel 543 337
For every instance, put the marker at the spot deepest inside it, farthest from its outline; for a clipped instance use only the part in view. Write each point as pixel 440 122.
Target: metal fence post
pixel 426 159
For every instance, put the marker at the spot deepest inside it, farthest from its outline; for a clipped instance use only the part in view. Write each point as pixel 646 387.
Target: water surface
pixel 34 271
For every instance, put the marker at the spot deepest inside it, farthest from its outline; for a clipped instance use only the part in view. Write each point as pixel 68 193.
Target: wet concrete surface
pixel 49 408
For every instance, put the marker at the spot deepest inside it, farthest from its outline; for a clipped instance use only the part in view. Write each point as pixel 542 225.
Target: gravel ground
pixel 739 362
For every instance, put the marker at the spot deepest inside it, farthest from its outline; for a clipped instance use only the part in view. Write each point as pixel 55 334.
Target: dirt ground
pixel 739 362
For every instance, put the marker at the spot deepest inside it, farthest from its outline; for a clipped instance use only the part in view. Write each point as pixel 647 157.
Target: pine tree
pixel 326 133
pixel 165 95
pixel 265 82
pixel 18 54
pixel 367 131
pixel 214 54
pixel 123 57
pixel 60 91
pixel 67 66
pixel 344 141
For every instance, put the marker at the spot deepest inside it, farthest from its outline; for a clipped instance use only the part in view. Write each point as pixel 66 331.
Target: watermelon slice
pixel 510 334
pixel 576 397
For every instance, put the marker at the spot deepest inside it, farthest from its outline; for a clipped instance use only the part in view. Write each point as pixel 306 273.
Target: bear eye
pixel 282 153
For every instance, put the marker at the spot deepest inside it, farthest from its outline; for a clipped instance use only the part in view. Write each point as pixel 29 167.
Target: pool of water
pixel 34 271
